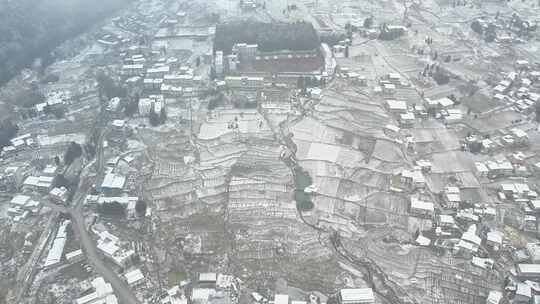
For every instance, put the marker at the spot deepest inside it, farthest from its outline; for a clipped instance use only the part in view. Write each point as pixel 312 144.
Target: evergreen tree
pixel 368 22
pixel 140 208
pixel 8 130
pixel 73 152
pixel 163 116
pixel 153 117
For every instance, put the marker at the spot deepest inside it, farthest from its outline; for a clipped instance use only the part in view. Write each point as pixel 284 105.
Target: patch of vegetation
pixel 333 38
pixel 132 106
pixel 108 88
pixel 8 130
pixel 216 101
pixel 176 277
pixel 30 97
pixel 156 119
pixel 243 102
pixel 298 36
pixel 140 208
pixel 301 181
pixel 114 209
pixel 73 152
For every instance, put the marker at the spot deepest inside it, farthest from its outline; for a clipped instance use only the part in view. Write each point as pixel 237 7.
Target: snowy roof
pixel 73 254
pixel 529 268
pixel 494 297
pixel 523 290
pixel 113 181
pixel 20 200
pixel 207 277
pixel 55 253
pixel 418 204
pixel 470 236
pixel 109 248
pixel 50 169
pixel 396 105
pixel 445 102
pixel 356 295
pixel 281 299
pixel 407 116
pixel 446 219
pixel 423 241
pixel 134 276
pixel 495 237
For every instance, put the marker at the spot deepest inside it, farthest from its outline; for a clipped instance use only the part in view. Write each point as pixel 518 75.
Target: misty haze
pixel 269 152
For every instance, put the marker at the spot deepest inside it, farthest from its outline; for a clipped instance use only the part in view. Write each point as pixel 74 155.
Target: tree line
pixel 32 29
pixel 298 36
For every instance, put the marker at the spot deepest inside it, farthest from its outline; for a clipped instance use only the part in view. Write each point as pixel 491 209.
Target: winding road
pixel 122 290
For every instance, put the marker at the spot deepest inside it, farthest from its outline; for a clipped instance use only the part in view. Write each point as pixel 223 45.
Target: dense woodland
pixel 31 29
pixel 299 36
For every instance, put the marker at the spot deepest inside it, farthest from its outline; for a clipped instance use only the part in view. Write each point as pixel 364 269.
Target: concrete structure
pixel 494 297
pixel 155 102
pixel 232 63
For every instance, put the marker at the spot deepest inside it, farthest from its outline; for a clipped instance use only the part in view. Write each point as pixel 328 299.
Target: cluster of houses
pixel 519 89
pixel 502 167
pixel 115 189
pixel 19 143
pixel 512 138
pixel 442 108
pixel 34 188
pixel 114 250
pixel 99 291
pixel 344 296
pixel 159 77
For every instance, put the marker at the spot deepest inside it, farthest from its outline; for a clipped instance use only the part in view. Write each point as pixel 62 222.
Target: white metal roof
pixel 73 254
pixel 134 276
pixel 20 200
pixel 529 268
pixel 357 295
pixel 208 277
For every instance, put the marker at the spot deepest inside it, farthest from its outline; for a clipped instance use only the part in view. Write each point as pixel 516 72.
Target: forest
pixel 298 36
pixel 31 29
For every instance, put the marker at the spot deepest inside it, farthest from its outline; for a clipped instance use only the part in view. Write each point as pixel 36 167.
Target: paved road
pixel 122 290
